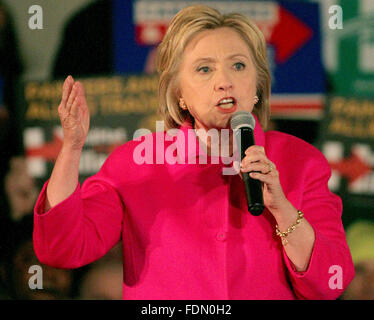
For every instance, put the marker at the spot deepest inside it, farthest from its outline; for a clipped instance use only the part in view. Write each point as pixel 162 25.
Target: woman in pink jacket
pixel 184 224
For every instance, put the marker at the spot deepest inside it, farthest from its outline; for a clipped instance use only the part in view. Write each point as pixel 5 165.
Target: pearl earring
pixel 256 99
pixel 182 105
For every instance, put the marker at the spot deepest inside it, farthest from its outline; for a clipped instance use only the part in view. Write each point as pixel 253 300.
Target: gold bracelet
pixel 284 234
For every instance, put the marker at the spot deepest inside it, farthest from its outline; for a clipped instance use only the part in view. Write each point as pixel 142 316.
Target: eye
pixel 204 69
pixel 239 66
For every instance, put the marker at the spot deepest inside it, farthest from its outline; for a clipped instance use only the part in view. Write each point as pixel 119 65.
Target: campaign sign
pixel 349 50
pixel 347 141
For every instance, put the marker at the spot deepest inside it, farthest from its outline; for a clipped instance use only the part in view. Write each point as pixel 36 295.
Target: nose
pixel 222 81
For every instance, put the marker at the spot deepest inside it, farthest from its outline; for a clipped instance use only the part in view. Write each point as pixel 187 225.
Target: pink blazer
pixel 185 228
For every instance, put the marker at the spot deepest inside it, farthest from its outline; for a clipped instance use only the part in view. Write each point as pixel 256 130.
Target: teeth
pixel 226 105
pixel 226 101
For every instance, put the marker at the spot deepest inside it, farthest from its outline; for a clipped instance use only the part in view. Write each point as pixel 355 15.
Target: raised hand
pixel 74 114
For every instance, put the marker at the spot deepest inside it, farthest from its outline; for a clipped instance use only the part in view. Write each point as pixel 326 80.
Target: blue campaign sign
pixel 129 56
pixel 291 29
pixel 302 71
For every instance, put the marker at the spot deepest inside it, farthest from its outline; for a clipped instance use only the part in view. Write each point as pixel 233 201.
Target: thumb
pixel 75 108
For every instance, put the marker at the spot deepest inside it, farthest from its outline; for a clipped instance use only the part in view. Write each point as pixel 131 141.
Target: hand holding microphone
pixel 260 176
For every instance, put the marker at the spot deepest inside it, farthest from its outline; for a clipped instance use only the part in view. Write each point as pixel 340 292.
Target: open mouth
pixel 227 104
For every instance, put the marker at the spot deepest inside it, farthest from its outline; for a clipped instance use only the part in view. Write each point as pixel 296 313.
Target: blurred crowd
pixel 100 280
pixel 18 190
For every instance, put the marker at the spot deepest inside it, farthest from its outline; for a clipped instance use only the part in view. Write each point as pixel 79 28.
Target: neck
pixel 218 142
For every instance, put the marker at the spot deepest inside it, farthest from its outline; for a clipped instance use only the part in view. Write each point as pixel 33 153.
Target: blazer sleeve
pixel 330 268
pixel 83 227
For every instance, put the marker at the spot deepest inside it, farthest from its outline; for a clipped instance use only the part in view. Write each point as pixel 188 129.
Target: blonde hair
pixel 185 25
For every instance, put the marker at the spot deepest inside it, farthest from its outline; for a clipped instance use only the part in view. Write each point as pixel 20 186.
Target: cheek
pixel 196 94
pixel 200 86
pixel 251 85
pixel 249 94
pixel 250 81
pixel 188 89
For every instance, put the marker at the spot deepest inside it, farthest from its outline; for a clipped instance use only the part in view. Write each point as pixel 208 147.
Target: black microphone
pixel 243 123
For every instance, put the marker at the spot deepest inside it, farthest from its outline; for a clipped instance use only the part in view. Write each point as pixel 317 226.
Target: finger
pixel 80 89
pixel 253 158
pixel 74 111
pixel 269 178
pixel 255 153
pixel 81 98
pixel 81 94
pixel 257 166
pixel 71 98
pixel 66 89
pixel 255 149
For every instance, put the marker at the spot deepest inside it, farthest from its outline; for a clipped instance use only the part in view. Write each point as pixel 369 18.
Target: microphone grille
pixel 242 119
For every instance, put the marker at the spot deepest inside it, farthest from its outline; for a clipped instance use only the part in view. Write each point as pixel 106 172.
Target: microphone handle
pixel 253 187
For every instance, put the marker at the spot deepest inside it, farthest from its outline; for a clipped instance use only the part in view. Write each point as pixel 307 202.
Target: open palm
pixel 74 114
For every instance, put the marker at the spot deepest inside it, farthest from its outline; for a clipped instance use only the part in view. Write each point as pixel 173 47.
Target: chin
pixel 221 125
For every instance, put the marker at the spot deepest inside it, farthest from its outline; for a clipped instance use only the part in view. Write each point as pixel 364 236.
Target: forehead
pixel 223 40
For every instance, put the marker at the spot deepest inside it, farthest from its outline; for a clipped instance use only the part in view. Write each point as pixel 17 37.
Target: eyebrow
pixel 208 59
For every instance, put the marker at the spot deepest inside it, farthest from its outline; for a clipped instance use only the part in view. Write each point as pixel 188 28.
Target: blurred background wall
pixel 38 47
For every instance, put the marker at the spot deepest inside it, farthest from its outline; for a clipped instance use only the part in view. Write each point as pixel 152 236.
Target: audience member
pixel 56 283
pixel 20 188
pixel 103 281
